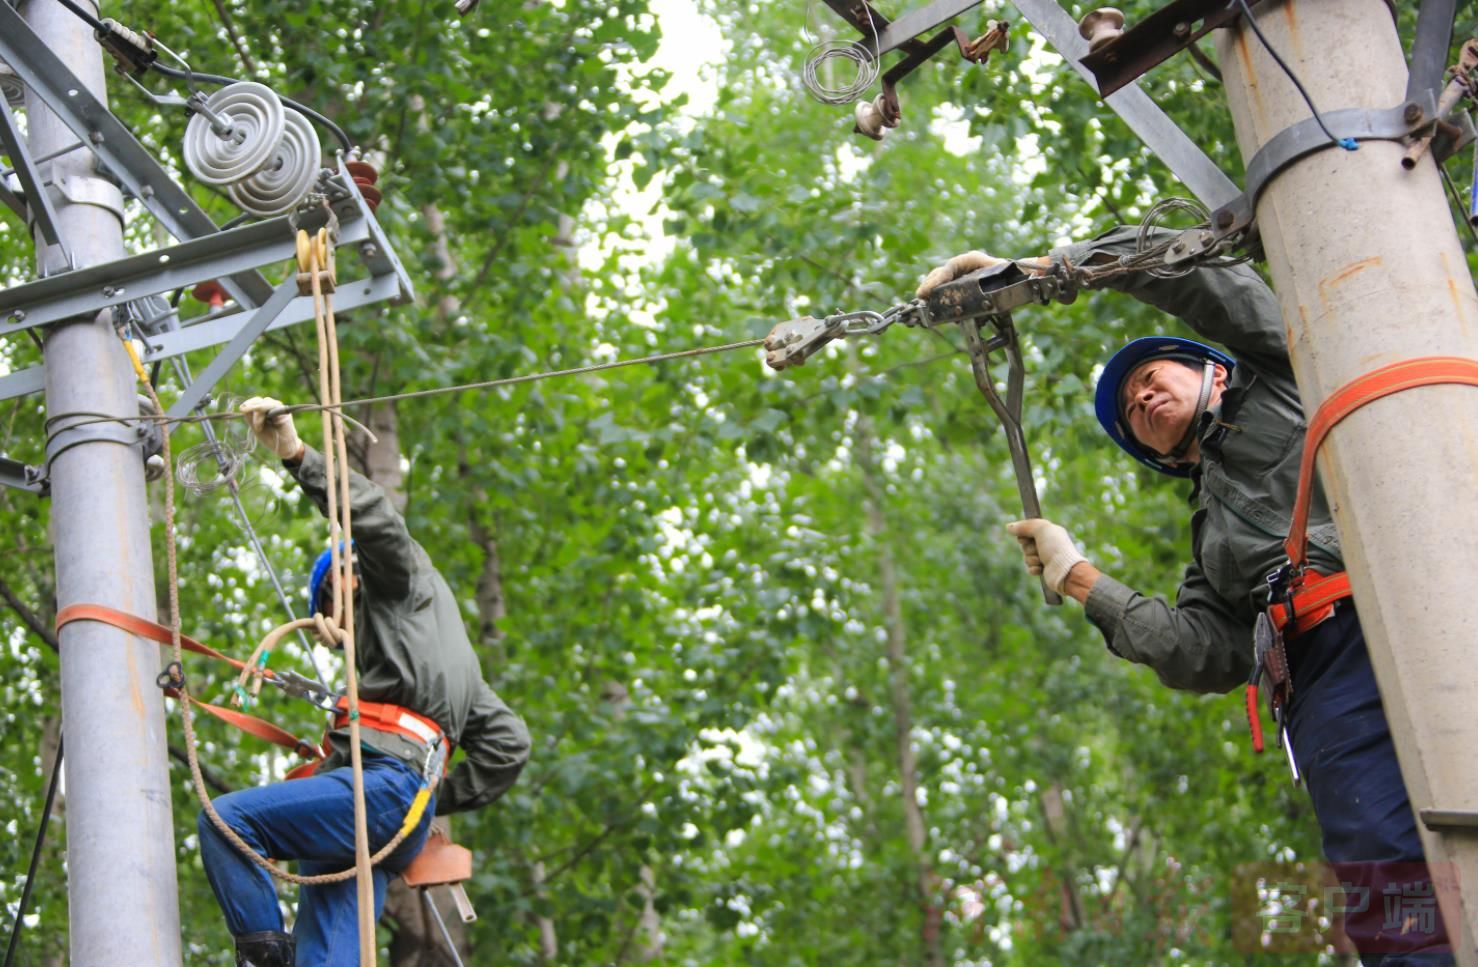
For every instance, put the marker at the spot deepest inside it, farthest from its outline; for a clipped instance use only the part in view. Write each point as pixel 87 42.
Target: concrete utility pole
pixel 1369 271
pixel 124 905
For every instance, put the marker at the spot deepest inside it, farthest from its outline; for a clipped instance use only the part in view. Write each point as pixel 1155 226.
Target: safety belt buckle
pixel 435 759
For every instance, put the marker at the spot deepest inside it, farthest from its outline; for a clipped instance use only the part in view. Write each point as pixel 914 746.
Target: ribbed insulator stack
pixel 365 176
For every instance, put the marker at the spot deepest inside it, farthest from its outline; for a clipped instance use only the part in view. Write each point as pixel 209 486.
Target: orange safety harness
pixel 1301 597
pixel 380 716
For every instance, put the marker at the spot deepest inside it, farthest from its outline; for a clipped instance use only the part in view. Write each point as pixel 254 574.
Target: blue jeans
pixel 312 821
pixel 1343 746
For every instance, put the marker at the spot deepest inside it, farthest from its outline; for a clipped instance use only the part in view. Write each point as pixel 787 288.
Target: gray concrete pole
pixel 1369 270
pixel 124 905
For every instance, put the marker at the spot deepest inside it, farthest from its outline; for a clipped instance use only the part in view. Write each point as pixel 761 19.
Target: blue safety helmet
pixel 319 575
pixel 1107 398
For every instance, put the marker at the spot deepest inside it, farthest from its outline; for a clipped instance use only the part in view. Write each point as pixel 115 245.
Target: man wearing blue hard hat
pixel 1233 424
pixel 422 697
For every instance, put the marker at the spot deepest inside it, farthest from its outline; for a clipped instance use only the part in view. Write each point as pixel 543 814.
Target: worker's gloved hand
pixel 1049 550
pixel 959 265
pixel 276 434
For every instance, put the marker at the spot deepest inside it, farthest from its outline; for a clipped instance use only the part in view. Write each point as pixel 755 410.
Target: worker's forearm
pixel 1080 581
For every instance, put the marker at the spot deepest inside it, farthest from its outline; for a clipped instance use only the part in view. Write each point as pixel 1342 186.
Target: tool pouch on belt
pixel 1269 676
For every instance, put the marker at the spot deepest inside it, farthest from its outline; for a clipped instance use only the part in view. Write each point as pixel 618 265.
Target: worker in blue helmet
pixel 1233 424
pixel 320 588
pixel 422 700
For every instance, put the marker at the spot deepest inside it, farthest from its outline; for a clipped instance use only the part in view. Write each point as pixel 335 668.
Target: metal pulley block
pixel 792 342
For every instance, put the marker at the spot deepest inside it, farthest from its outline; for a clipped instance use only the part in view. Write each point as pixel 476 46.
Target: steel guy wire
pixel 415 394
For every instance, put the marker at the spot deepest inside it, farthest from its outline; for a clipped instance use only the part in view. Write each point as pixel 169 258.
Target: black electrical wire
pixel 184 75
pixel 92 21
pixel 1349 144
pixel 1457 199
pixel 20 912
pixel 308 112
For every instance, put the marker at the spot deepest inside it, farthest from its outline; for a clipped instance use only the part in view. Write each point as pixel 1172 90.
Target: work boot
pixel 267 948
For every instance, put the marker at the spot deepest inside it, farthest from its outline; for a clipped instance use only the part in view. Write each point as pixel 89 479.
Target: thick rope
pixel 336 473
pixel 186 716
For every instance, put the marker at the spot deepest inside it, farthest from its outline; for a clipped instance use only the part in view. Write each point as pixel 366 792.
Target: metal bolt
pixel 369 250
pixel 1177 246
pixel 146 192
pixel 1182 29
pixel 1224 219
pixel 109 291
pixel 17 316
pixel 1413 113
pixel 96 137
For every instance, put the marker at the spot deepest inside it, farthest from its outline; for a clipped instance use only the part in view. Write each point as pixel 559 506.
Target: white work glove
pixel 278 435
pixel 1049 550
pixel 959 265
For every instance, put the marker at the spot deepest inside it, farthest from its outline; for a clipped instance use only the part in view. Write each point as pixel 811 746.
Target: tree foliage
pixel 767 629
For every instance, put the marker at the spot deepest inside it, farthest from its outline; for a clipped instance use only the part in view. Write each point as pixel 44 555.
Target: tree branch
pixel 31 620
pixel 236 40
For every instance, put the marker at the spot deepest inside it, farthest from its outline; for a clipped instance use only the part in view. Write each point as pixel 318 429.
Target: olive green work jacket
pixel 412 650
pixel 1243 488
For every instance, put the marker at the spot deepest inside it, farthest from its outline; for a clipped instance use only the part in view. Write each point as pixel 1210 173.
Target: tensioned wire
pixel 412 394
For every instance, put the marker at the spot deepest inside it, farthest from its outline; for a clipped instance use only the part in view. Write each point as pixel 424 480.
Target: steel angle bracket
pixel 23 476
pixel 1160 134
pixel 93 288
pixel 38 203
pixel 126 159
pixel 881 35
pixel 1156 39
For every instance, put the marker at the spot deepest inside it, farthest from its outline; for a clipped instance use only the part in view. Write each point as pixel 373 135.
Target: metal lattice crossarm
pixel 204 253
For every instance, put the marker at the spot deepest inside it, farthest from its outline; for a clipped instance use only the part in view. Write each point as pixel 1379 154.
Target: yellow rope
pixel 318 256
pixel 315 258
pixel 187 718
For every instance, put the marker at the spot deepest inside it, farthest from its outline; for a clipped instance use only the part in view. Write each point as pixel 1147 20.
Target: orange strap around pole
pixel 1407 374
pixel 144 628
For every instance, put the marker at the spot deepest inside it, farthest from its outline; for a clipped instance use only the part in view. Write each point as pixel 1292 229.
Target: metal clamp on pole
pixel 85 428
pixel 1416 119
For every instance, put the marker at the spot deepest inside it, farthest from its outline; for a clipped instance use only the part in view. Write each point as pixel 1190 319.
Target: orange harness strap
pixel 1407 374
pixel 144 628
pixel 1312 602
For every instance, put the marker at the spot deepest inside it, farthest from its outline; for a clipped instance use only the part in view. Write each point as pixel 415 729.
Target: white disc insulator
pixel 289 174
pixel 256 118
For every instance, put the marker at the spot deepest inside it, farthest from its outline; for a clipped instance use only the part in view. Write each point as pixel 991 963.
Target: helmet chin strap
pixel 1178 452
